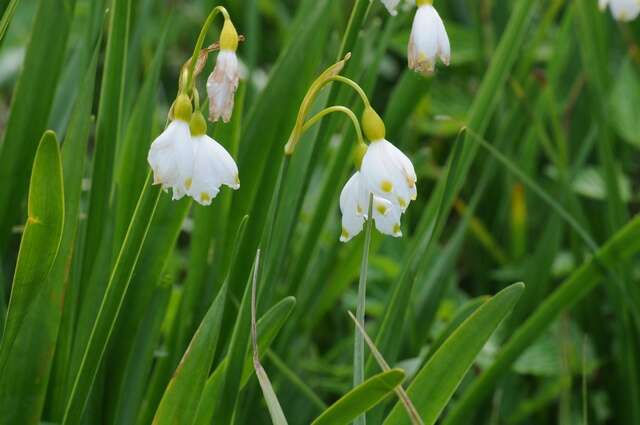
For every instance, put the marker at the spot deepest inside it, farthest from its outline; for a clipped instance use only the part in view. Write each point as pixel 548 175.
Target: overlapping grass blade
pixel 360 399
pixel 622 246
pixel 108 130
pixel 275 410
pixel 31 104
pixel 27 332
pixel 180 400
pixel 7 11
pixel 267 328
pixel 436 382
pixel 111 303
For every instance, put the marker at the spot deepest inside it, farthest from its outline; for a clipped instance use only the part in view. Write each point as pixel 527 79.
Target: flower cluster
pixel 386 179
pixel 185 159
pixel 622 10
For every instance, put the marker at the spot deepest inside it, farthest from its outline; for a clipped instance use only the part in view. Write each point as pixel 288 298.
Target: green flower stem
pixel 343 109
pixel 619 249
pixel 358 346
pixel 353 85
pixel 200 42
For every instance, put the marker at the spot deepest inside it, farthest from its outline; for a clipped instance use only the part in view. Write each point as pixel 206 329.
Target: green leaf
pixel 26 333
pixel 268 327
pixel 31 104
pixel 238 347
pixel 361 398
pixel 183 392
pixel 275 410
pixel 74 152
pixel 436 382
pixel 108 131
pixel 622 246
pixel 111 303
pixel 7 11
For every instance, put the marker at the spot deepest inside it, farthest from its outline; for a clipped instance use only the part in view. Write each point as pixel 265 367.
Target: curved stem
pixel 353 85
pixel 200 42
pixel 343 109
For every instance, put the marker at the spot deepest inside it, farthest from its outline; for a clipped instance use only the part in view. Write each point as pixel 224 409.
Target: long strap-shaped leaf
pixel 361 398
pixel 180 400
pixel 38 249
pixel 436 382
pixel 622 246
pixel 31 105
pixel 111 303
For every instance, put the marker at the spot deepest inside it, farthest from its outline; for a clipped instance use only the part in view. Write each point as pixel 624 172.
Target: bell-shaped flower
pixel 428 39
pixel 354 206
pixel 622 10
pixel 392 6
pixel 171 153
pixel 212 166
pixel 223 81
pixel 386 170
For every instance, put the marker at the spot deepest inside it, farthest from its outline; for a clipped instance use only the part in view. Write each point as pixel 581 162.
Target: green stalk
pixel 358 346
pixel 619 249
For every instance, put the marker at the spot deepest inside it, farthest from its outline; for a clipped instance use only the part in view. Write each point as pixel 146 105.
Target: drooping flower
pixel 622 10
pixel 223 81
pixel 391 6
pixel 171 153
pixel 354 206
pixel 386 170
pixel 428 39
pixel 212 166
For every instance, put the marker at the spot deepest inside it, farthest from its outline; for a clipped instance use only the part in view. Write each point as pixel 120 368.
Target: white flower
pixel 622 10
pixel 389 174
pixel 428 40
pixel 354 205
pixel 222 85
pixel 391 6
pixel 212 167
pixel 171 158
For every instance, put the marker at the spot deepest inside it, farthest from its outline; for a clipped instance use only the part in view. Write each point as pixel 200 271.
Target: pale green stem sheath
pixel 200 43
pixel 358 346
pixel 343 109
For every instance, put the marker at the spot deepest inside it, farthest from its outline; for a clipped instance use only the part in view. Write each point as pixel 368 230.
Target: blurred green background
pixel 552 85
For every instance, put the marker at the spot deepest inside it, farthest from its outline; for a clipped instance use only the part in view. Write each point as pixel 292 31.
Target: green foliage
pixel 118 303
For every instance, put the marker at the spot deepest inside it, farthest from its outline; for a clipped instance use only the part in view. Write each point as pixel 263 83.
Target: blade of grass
pixel 74 153
pixel 31 104
pixel 108 126
pixel 360 399
pixel 181 395
pixel 27 340
pixel 7 11
pixel 275 410
pixel 436 382
pixel 111 303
